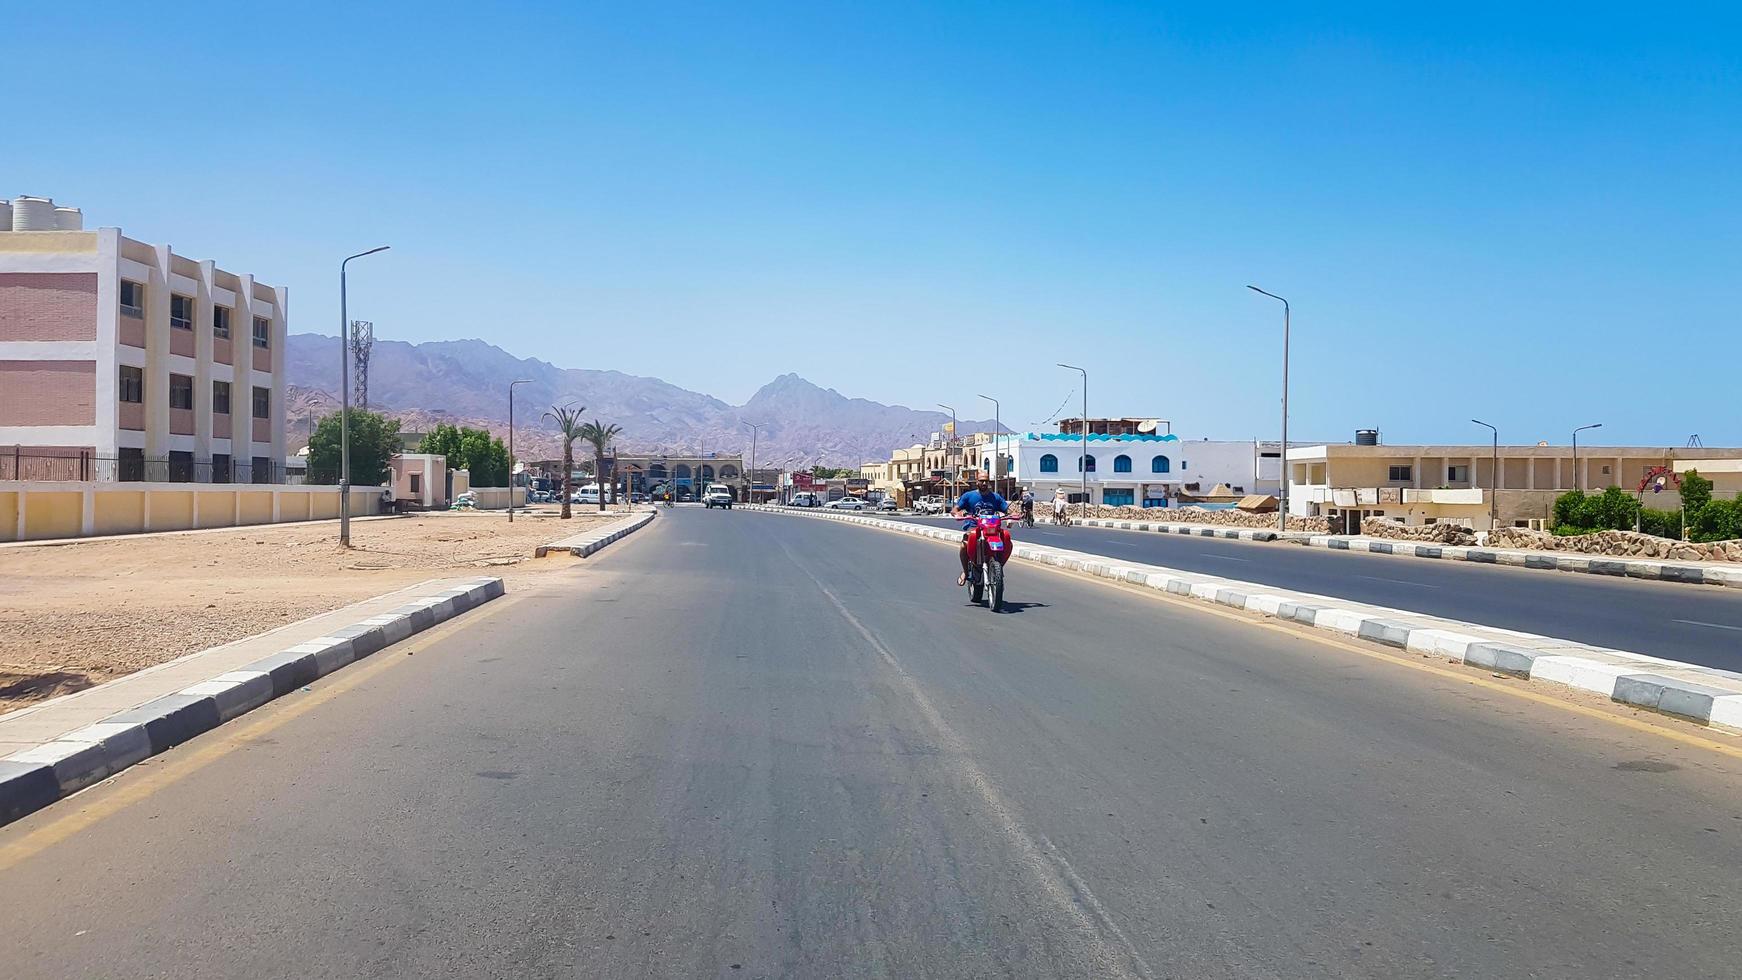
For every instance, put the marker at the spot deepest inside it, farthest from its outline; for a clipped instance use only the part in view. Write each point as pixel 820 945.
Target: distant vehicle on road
pixel 931 504
pixel 718 495
pixel 638 497
pixel 805 498
pixel 887 503
pixel 588 494
pixel 846 503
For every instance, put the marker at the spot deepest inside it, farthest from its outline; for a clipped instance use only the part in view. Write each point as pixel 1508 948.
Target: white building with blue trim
pixel 1147 470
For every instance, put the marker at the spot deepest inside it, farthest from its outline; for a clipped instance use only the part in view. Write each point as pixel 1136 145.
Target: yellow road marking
pixel 131 785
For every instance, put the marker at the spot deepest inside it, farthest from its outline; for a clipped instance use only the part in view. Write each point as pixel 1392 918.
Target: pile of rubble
pixel 1200 515
pixel 1616 544
pixel 1444 533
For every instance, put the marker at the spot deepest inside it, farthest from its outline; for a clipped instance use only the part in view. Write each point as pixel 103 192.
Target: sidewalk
pixel 1691 572
pixel 56 747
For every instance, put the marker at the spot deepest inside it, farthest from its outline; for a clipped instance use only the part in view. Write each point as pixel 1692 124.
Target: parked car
pixel 846 503
pixel 931 504
pixel 887 504
pixel 638 497
pixel 805 498
pixel 718 495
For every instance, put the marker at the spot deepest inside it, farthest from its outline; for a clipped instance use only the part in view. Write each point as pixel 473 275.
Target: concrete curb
pixel 1692 573
pixel 1195 530
pixel 582 545
pixel 35 777
pixel 1706 695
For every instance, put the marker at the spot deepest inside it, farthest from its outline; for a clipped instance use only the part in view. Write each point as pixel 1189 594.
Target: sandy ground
pixel 80 614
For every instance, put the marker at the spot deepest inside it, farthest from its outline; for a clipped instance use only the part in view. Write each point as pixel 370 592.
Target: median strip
pixel 583 544
pixel 1706 695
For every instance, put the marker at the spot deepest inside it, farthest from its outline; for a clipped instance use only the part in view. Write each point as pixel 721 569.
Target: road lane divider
pixel 584 544
pixel 1707 695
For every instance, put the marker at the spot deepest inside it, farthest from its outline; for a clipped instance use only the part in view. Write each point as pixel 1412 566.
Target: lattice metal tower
pixel 362 341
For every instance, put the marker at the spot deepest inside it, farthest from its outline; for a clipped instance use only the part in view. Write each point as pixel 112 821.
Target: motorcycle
pixel 992 546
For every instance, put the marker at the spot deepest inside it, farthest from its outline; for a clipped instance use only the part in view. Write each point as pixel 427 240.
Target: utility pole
pixel 955 470
pixel 1083 463
pixel 750 486
pixel 1494 478
pixel 511 385
pixel 345 409
pixel 997 430
pixel 362 342
pixel 1282 511
pixel 1578 479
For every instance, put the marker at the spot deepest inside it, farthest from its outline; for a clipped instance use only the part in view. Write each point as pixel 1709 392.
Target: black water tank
pixel 1366 437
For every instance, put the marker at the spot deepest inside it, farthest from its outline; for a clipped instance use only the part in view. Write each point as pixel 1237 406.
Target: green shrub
pixel 1663 523
pixel 1696 491
pixel 1718 520
pixel 1568 513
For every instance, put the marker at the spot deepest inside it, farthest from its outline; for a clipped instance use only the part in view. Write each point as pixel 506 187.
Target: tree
pixel 600 436
pixel 374 440
pixel 474 450
pixel 1696 492
pixel 568 423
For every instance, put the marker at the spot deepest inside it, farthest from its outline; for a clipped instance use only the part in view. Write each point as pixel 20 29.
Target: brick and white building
pixel 122 360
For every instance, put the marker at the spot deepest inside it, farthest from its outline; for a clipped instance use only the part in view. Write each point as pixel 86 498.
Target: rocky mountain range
pixel 466 382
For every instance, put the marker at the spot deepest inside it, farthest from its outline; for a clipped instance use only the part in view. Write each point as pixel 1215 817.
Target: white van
pixel 718 495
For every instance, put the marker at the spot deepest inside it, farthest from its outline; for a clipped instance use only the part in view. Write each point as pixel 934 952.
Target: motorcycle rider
pixel 980 500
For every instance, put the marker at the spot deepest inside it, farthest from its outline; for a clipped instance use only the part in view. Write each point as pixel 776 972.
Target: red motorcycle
pixel 989 545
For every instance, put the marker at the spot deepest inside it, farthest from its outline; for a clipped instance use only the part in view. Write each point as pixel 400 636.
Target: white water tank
pixel 32 214
pixel 69 219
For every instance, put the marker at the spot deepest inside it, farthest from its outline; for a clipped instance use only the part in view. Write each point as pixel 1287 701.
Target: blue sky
pixel 1530 217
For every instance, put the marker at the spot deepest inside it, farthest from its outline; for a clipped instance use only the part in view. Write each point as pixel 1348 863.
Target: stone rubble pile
pixel 1616 544
pixel 1453 534
pixel 1200 515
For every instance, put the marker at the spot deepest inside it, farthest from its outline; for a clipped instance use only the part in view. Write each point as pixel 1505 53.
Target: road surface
pixel 1693 623
pixel 744 745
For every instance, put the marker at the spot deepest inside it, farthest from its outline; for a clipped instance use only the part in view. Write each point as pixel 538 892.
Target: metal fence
pixel 175 468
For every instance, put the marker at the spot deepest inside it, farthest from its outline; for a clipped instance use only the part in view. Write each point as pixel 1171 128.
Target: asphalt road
pixel 740 745
pixel 1692 623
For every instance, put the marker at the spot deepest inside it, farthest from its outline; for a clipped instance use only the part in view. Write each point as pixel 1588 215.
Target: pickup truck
pixel 718 495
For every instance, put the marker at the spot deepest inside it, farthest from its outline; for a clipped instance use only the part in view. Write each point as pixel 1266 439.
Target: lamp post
pixel 950 452
pixel 345 405
pixel 1578 479
pixel 1494 478
pixel 1083 461
pixel 997 430
pixel 1282 484
pixel 755 429
pixel 511 385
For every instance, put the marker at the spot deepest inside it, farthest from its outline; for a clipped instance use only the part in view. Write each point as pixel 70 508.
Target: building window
pixel 132 385
pixel 1090 460
pixel 1401 474
pixel 1121 464
pixel 1458 474
pixel 220 467
pixel 262 470
pixel 221 321
pixel 262 332
pixel 181 391
pixel 1160 464
pixel 181 466
pixel 131 468
pixel 132 298
pixel 262 402
pixel 220 398
pixel 416 484
pixel 181 311
pixel 1049 463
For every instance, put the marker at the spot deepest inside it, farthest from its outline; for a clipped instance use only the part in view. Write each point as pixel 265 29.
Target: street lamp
pixel 1282 511
pixel 997 430
pixel 950 452
pixel 1083 462
pixel 1578 482
pixel 345 405
pixel 511 385
pixel 1494 478
pixel 755 429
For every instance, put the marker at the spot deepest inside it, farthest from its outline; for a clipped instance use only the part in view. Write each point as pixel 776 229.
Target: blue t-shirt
pixel 975 502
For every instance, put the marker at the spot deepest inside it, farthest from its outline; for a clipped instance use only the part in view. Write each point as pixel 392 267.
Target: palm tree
pixel 600 435
pixel 568 422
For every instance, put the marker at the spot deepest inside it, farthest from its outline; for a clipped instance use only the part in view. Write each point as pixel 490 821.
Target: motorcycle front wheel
pixel 995 585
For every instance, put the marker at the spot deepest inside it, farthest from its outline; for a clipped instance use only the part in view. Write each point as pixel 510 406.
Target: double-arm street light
pixel 1083 462
pixel 997 429
pixel 950 452
pixel 511 385
pixel 1282 509
pixel 345 404
pixel 1493 478
pixel 1578 478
